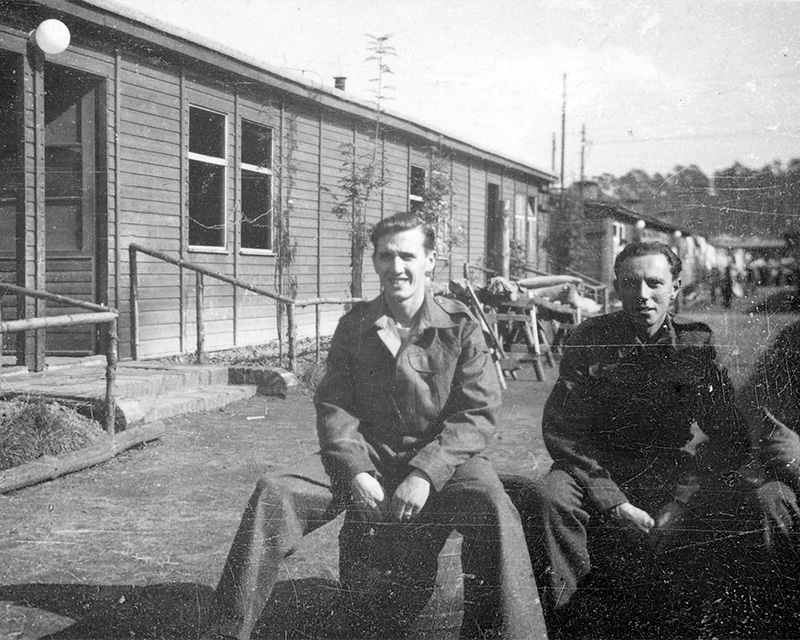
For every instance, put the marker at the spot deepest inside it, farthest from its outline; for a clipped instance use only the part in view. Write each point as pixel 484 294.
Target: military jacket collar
pixel 430 315
pixel 666 336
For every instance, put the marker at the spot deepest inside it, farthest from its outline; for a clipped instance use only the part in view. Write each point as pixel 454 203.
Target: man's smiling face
pixel 401 261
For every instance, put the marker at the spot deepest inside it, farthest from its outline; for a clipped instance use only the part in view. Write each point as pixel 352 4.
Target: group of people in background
pixel 733 280
pixel 664 486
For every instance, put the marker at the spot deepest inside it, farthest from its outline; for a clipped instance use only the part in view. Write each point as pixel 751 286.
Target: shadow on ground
pixel 61 611
pixel 784 301
pixel 305 608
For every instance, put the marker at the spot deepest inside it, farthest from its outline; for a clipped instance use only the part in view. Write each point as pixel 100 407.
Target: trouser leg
pixel 735 585
pixel 500 591
pixel 283 508
pixel 556 529
pixel 389 570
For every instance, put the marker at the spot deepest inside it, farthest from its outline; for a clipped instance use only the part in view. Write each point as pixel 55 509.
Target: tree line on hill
pixel 737 200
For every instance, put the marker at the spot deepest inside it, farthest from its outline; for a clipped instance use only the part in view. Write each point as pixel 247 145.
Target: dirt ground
pixel 133 548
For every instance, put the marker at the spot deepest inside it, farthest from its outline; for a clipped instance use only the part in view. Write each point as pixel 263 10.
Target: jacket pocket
pixel 432 379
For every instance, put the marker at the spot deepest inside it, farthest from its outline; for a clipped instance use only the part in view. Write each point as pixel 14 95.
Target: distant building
pixel 609 227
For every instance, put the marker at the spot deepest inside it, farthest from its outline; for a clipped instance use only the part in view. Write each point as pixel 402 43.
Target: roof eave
pixel 120 19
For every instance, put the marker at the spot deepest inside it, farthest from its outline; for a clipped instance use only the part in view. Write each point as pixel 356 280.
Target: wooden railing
pixel 290 303
pixel 469 268
pixel 536 272
pixel 598 291
pixel 99 314
pixel 595 289
pixel 317 302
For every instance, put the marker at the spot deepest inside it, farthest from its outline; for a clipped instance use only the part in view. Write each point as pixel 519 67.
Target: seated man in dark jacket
pixel 404 414
pixel 770 402
pixel 640 421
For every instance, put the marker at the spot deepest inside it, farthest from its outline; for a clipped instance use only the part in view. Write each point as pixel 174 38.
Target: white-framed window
pixel 532 228
pixel 526 231
pixel 256 174
pixel 207 178
pixel 519 219
pixel 417 180
pixel 620 237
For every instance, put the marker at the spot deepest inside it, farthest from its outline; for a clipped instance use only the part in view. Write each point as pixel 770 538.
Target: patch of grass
pixel 34 427
pixel 311 375
pixel 786 300
pixel 267 354
pixel 309 371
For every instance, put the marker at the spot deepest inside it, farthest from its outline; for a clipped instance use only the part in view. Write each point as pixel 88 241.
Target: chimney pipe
pixel 339 82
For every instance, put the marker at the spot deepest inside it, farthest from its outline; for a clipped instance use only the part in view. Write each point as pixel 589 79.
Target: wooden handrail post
pixel 111 376
pixel 201 337
pixel 292 329
pixel 279 326
pixel 318 327
pixel 134 295
pixel 292 304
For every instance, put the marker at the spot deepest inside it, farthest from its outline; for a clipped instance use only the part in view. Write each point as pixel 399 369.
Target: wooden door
pixel 494 229
pixel 72 174
pixel 12 182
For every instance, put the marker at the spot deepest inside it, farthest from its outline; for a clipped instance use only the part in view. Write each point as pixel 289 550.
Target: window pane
pixel 533 233
pixel 206 200
pixel 62 120
pixel 531 237
pixel 519 229
pixel 256 210
pixel 64 224
pixel 11 156
pixel 8 221
pixel 63 171
pixel 256 145
pixel 206 132
pixel 417 182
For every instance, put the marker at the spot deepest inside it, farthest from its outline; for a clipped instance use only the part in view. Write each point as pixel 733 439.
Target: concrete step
pixel 89 381
pixel 147 391
pixel 143 409
pixel 138 379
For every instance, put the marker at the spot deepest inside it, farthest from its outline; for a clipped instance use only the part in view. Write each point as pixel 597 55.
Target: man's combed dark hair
pixel 636 249
pixel 403 222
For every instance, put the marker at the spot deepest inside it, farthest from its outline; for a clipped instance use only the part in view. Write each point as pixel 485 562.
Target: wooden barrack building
pixel 140 134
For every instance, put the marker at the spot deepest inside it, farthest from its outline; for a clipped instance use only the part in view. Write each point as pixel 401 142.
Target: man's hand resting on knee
pixel 632 518
pixel 670 525
pixel 368 495
pixel 780 510
pixel 410 496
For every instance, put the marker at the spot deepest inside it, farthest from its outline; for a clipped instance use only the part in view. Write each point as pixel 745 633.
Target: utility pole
pixel 563 135
pixel 553 160
pixel 583 158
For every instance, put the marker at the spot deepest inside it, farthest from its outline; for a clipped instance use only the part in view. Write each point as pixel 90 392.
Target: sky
pixel 655 83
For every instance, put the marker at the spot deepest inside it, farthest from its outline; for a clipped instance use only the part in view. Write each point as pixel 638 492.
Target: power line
pixel 726 209
pixel 693 136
